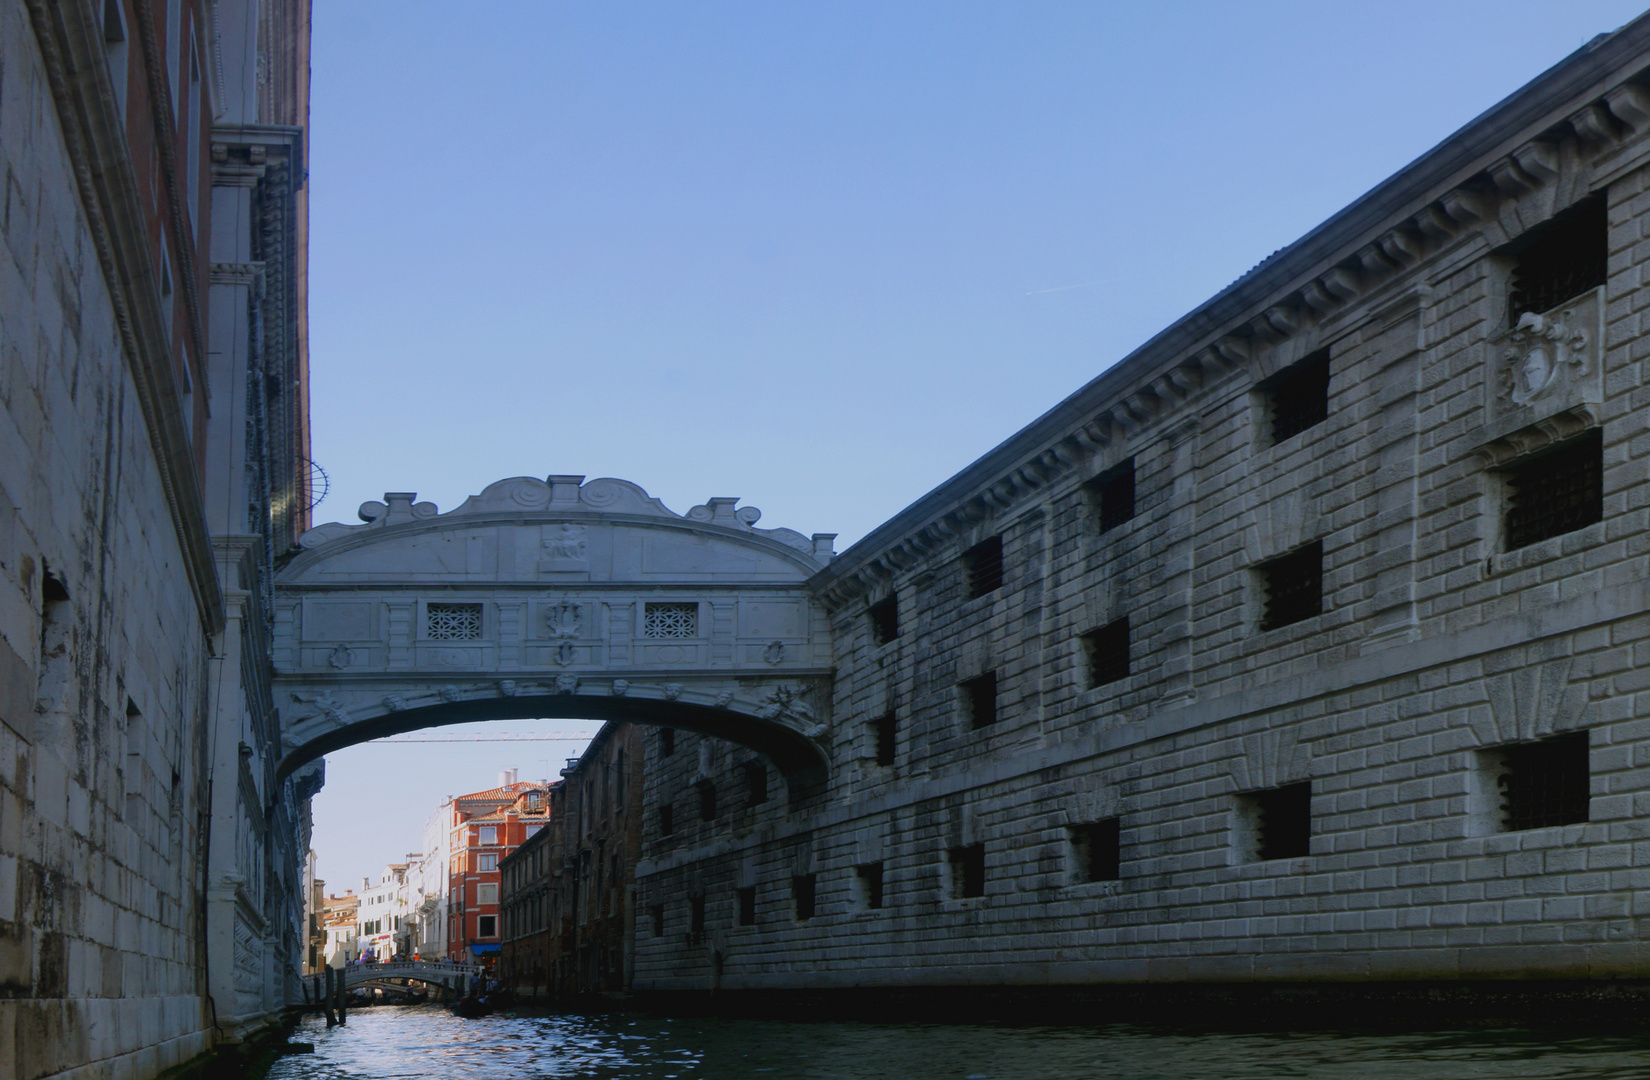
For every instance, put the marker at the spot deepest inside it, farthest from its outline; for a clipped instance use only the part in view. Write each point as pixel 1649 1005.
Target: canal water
pixel 388 1043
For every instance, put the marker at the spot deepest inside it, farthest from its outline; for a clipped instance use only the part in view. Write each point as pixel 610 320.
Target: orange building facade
pixel 486 827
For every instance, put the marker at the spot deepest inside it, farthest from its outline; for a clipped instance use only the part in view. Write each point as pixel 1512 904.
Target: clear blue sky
pixel 819 256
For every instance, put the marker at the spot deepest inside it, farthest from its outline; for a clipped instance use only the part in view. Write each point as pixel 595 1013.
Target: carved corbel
pixel 1593 125
pixel 1234 350
pixel 1401 246
pixel 1631 104
pixel 1095 435
pixel 1276 323
pixel 1374 260
pixel 1435 223
pixel 1464 206
pixel 1509 179
pixel 1318 298
pixel 1340 283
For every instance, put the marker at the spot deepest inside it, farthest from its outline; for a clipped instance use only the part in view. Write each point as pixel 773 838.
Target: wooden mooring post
pixel 341 995
pixel 324 992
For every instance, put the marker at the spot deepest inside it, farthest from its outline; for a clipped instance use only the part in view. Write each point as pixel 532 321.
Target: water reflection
pixel 385 1043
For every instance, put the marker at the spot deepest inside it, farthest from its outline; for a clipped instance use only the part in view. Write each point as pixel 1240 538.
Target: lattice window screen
pixel 670 621
pixel 453 622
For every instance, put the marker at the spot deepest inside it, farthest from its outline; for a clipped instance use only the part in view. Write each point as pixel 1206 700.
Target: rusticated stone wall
pixel 1439 643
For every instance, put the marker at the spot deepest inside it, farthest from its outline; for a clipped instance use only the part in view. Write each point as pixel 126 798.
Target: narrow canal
pixel 409 1043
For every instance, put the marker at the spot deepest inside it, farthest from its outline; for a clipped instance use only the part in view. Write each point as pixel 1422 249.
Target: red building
pixel 486 826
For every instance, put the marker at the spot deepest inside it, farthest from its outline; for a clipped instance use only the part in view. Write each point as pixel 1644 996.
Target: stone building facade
pixel 151 420
pixel 1304 642
pixel 568 894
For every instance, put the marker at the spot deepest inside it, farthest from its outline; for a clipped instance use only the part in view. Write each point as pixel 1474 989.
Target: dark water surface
pixel 384 1043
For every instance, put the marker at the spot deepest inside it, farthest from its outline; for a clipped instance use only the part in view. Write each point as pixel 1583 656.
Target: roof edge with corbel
pixel 1595 103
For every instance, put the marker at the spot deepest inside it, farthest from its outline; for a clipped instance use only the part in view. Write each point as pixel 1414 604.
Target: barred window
pixel 1298 396
pixel 884 731
pixel 1280 821
pixel 1560 260
pixel 967 870
pixel 885 619
pixel 979 696
pixel 984 563
pixel 1096 850
pixel 1543 783
pixel 452 622
pixel 670 620
pixel 1558 492
pixel 1107 651
pixel 1112 493
pixel 802 892
pixel 747 906
pixel 1293 585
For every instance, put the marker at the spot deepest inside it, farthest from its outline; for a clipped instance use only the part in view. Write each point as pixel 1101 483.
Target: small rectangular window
pixel 884 731
pixel 1096 850
pixel 670 620
pixel 667 819
pixel 486 893
pixel 885 619
pixel 1293 586
pixel 452 622
pixel 658 914
pixel 984 564
pixel 868 877
pixel 1543 783
pixel 747 906
pixel 1559 491
pixel 1298 396
pixel 487 863
pixel 1107 652
pixel 979 696
pixel 1279 821
pixel 1560 260
pixel 489 834
pixel 802 891
pixel 486 926
pixel 696 917
pixel 707 800
pixel 1112 493
pixel 667 741
pixel 756 782
pixel 967 870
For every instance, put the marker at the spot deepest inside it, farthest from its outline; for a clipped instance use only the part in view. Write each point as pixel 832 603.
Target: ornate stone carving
pixel 724 699
pixel 394 702
pixel 1542 354
pixel 325 705
pixel 450 692
pixel 564 653
pixel 341 657
pixel 564 619
pixel 507 688
pixel 566 541
pixel 787 703
pixel 621 687
pixel 566 684
pixel 775 652
pixel 672 691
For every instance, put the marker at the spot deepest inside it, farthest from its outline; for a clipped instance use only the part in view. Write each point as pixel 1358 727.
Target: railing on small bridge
pixel 447 972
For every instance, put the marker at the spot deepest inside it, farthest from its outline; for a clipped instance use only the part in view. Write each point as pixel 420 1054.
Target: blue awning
pixel 480 949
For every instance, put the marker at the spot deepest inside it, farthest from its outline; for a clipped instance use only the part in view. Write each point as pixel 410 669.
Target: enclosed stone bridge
pixel 554 598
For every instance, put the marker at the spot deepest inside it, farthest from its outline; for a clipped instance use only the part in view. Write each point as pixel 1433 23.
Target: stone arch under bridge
pixel 554 598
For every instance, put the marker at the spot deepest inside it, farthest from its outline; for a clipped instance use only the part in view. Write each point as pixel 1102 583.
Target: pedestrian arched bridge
pixel 445 972
pixel 554 598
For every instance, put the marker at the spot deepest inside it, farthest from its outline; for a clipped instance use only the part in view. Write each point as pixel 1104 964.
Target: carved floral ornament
pixel 1595 130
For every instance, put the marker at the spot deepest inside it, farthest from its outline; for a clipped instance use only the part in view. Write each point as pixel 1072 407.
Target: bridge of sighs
pixel 554 598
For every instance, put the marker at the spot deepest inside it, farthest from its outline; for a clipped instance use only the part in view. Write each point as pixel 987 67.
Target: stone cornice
pixel 71 49
pixel 1585 109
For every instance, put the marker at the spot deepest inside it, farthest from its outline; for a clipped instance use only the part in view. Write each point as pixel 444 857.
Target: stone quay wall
pixel 1381 786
